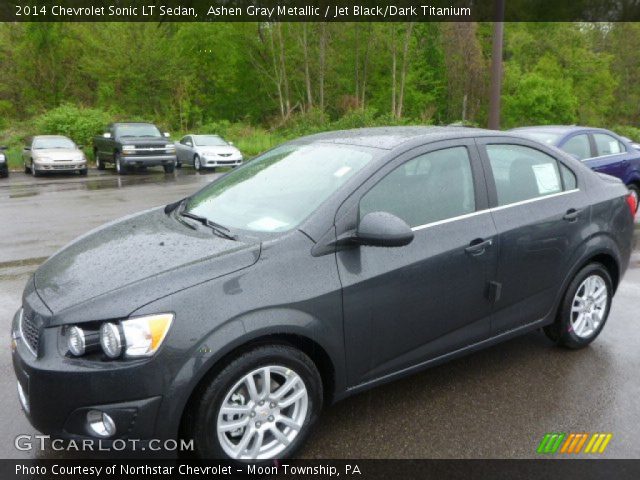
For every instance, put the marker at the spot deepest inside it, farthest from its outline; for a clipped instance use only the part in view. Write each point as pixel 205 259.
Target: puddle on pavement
pixel 105 181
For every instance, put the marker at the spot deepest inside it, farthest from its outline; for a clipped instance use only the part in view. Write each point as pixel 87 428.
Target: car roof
pixel 559 129
pixel 388 138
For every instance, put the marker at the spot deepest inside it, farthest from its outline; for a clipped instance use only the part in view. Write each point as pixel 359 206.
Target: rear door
pixel 541 215
pixel 610 155
pixel 408 304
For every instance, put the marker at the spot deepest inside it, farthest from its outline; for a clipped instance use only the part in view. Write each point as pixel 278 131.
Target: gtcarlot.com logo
pixel 574 443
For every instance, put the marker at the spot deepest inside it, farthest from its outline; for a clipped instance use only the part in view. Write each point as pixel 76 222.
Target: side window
pixel 432 187
pixel 607 145
pixel 578 145
pixel 522 173
pixel 568 178
pixel 185 140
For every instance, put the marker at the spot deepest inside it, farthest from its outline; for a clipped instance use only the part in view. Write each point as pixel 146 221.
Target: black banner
pixel 317 10
pixel 357 469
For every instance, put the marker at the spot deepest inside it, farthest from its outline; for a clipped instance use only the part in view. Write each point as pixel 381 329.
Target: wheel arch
pixel 312 348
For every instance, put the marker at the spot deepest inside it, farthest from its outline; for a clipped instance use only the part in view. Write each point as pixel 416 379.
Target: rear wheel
pixel 261 406
pixel 99 163
pixel 584 309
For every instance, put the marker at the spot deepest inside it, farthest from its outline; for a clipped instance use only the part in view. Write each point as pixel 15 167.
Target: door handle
pixel 571 215
pixel 478 246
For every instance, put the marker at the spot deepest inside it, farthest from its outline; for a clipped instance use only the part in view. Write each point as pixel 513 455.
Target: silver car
pixel 207 152
pixel 53 153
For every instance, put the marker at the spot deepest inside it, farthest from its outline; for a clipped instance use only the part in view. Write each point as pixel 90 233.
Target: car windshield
pixel 52 142
pixel 137 130
pixel 550 138
pixel 276 191
pixel 208 141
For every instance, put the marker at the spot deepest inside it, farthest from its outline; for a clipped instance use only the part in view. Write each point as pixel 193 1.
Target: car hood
pixel 222 150
pixel 115 269
pixel 57 153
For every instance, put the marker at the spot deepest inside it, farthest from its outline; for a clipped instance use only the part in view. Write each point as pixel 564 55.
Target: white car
pixel 207 152
pixel 53 153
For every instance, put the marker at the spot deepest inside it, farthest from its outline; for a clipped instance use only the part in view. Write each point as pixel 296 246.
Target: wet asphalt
pixel 497 403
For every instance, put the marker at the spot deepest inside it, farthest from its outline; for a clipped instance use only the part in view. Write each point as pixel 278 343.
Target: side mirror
pixel 166 134
pixel 230 143
pixel 106 135
pixel 382 229
pixel 27 148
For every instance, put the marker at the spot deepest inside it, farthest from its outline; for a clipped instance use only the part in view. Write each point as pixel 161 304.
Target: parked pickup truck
pixel 134 144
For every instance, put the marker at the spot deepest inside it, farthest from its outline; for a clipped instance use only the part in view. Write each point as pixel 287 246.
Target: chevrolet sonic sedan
pixel 600 149
pixel 324 267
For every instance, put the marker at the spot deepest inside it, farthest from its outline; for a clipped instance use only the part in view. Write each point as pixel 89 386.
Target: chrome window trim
pixel 22 337
pixel 492 209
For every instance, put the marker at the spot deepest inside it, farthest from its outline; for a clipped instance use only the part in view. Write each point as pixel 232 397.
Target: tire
pixel 568 330
pixel 635 190
pixel 34 170
pixel 83 172
pixel 121 169
pixel 285 362
pixel 169 168
pixel 178 164
pixel 197 164
pixel 99 163
pixel 26 169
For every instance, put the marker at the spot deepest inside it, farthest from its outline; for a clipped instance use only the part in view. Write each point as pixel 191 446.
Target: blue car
pixel 600 149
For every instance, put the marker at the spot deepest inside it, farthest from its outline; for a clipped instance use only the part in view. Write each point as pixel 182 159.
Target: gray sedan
pixel 207 152
pixel 53 153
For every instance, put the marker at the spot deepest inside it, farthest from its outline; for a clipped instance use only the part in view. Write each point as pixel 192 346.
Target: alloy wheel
pixel 262 413
pixel 196 163
pixel 589 306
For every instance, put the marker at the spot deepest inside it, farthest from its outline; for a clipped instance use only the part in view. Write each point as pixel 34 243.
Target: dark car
pixel 4 162
pixel 600 149
pixel 134 144
pixel 324 267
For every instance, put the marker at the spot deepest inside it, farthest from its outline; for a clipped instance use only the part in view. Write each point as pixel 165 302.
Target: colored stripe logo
pixel 574 443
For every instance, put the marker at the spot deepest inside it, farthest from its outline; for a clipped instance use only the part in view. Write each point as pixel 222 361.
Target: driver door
pixel 406 305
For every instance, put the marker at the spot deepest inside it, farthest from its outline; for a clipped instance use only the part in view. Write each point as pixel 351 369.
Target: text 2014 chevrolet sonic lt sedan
pixel 321 268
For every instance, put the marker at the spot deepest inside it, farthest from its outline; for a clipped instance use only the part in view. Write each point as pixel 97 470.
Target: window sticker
pixel 547 178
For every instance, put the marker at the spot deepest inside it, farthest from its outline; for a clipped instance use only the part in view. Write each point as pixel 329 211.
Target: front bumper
pixel 148 160
pixel 58 391
pixel 210 162
pixel 61 167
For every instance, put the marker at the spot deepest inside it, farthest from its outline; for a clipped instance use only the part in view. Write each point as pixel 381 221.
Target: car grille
pixel 30 331
pixel 225 154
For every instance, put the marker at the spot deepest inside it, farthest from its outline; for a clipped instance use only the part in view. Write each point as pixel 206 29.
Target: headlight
pixel 2 158
pixel 170 147
pixel 42 159
pixel 144 335
pixel 111 340
pixel 76 341
pixel 128 148
pixel 136 337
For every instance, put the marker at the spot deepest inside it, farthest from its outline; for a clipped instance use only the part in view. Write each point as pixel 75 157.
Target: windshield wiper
pixel 218 229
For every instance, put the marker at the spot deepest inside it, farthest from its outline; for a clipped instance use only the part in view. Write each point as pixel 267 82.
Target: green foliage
pixel 79 124
pixel 632 133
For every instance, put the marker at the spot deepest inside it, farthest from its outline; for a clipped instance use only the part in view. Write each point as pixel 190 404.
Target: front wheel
pixel 121 168
pixel 197 164
pixel 169 168
pixel 584 308
pixel 99 163
pixel 261 406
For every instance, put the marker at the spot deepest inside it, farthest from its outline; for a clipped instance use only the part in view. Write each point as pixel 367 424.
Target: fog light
pixel 76 341
pixel 111 340
pixel 100 424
